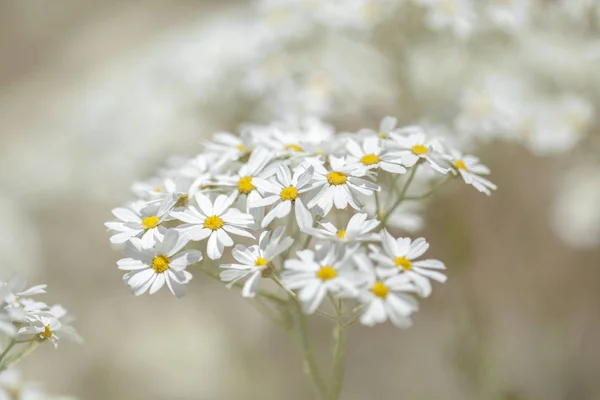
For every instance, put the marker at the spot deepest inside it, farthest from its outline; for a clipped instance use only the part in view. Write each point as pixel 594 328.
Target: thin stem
pixel 401 195
pixel 310 362
pixel 336 377
pixel 433 188
pixel 295 297
pixel 12 344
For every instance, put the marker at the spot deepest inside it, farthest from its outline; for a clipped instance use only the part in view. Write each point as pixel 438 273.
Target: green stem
pixel 336 377
pixel 5 352
pixel 401 195
pixel 310 362
pixel 428 193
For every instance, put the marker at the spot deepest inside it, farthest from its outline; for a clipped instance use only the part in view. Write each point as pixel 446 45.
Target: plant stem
pixel 336 377
pixel 401 195
pixel 12 344
pixel 310 362
pixel 433 188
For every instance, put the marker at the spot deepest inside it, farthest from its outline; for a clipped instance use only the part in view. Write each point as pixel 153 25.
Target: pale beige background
pixel 519 318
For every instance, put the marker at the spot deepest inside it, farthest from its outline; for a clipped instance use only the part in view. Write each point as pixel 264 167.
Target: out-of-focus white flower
pixel 315 274
pixel 282 192
pixel 399 255
pixel 455 15
pixel 576 213
pixel 149 268
pixel 341 185
pixel 359 229
pixel 470 170
pixel 214 221
pixel 255 261
pixel 511 15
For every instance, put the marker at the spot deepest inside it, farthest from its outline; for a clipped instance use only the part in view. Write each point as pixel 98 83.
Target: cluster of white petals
pixel 300 205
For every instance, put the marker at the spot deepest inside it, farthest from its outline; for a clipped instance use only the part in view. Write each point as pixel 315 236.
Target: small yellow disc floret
pixel 326 273
pixel 404 263
pixel 150 222
pixel 245 185
pixel 336 178
pixel 460 164
pixel 419 149
pixel 369 159
pixel 380 290
pixel 289 193
pixel 260 262
pixel 47 334
pixel 213 223
pixel 160 264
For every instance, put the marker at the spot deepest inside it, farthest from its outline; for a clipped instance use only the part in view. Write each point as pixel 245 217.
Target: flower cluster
pixel 24 319
pixel 299 205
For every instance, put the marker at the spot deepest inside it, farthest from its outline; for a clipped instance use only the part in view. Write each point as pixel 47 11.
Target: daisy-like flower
pixel 341 186
pixel 140 220
pixel 231 147
pixel 371 156
pixel 470 170
pixel 255 261
pixel 243 180
pixel 45 326
pixel 214 221
pixel 359 229
pixel 398 256
pixel 282 192
pixel 413 146
pixel 386 126
pixel 151 267
pixel 385 296
pixel 314 274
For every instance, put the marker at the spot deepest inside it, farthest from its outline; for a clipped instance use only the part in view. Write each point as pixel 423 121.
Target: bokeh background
pixel 95 95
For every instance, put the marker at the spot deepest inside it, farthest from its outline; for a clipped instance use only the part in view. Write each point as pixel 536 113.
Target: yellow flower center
pixel 326 273
pixel 382 135
pixel 460 164
pixel 336 178
pixel 260 262
pixel 419 149
pixel 47 334
pixel 380 290
pixel 369 159
pixel 213 222
pixel 182 201
pixel 341 233
pixel 150 222
pixel 294 147
pixel 160 264
pixel 404 263
pixel 245 185
pixel 240 147
pixel 289 193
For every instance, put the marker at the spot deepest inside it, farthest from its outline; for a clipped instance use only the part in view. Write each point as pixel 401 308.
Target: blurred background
pixel 96 95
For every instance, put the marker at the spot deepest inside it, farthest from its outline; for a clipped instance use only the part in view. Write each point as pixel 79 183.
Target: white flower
pixel 282 192
pixel 385 296
pixel 140 220
pixel 457 15
pixel 151 267
pixel 386 126
pixel 372 156
pixel 399 256
pixel 359 229
pixel 230 147
pixel 315 274
pixel 414 146
pixel 243 180
pixel 50 325
pixel 342 185
pixel 255 261
pixel 469 169
pixel 214 221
